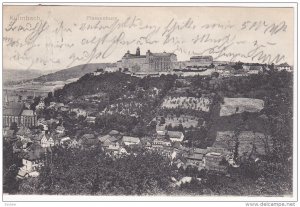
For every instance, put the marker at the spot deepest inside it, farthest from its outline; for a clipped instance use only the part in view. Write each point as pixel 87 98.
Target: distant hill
pixel 11 76
pixel 73 72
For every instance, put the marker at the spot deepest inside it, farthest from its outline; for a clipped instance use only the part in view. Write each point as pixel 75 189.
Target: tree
pixel 14 126
pixel 162 120
pixel 11 164
pixel 36 101
pixel 215 74
pixel 144 174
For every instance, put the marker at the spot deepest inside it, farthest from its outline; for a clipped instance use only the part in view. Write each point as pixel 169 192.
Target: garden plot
pixel 248 141
pixel 199 104
pixel 240 105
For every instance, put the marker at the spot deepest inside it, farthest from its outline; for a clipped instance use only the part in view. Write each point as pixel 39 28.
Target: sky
pixel 59 37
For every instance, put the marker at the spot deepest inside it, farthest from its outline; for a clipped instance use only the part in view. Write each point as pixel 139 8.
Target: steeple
pixel 138 53
pixel 6 97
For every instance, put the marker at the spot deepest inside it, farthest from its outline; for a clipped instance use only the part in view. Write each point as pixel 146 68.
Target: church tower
pixel 138 52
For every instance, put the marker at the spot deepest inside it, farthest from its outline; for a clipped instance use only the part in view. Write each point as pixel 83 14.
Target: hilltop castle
pixel 149 62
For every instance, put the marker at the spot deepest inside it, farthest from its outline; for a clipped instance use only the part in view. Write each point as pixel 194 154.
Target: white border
pixel 173 198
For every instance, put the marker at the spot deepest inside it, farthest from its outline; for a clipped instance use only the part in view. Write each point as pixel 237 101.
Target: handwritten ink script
pixel 51 42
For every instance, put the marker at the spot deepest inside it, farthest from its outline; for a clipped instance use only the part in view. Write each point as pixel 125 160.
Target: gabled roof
pixel 175 134
pixel 106 143
pixel 195 157
pixel 163 54
pixel 177 145
pixel 108 137
pixel 60 128
pixel 131 139
pixel 13 109
pixel 200 151
pixel 88 136
pixel 114 132
pixel 104 138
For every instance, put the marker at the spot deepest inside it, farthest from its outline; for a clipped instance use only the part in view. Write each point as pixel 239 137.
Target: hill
pixel 11 76
pixel 73 72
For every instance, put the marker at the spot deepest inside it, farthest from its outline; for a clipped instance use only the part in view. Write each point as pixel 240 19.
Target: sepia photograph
pixel 137 102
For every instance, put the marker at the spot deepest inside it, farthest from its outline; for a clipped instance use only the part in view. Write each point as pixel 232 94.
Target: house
pixel 32 163
pixel 88 136
pixel 50 142
pixel 177 146
pixel 65 141
pixel 79 112
pixel 74 144
pixel 52 121
pixel 175 136
pixel 64 108
pixel 52 105
pixel 284 66
pixel 23 132
pixel 89 140
pixel 160 143
pixel 37 138
pixel 224 70
pixel 91 119
pixel 26 143
pixel 196 160
pixel 58 106
pixel 160 130
pixel 60 130
pixel 255 69
pixel 148 145
pixel 114 133
pixel 110 138
pixel 42 122
pixel 127 140
pixel 47 140
pixel 41 105
pixel 179 162
pixel 106 143
pixel 116 150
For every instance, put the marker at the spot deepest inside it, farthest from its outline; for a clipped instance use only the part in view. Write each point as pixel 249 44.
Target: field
pixel 199 104
pixel 239 105
pixel 247 141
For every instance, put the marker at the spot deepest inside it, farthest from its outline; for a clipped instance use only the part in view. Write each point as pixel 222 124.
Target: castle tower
pixel 138 52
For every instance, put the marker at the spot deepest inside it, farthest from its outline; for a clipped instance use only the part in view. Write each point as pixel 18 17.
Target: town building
pixel 161 143
pixel 147 63
pixel 127 140
pixel 175 136
pixel 16 112
pixel 32 163
pixel 284 66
